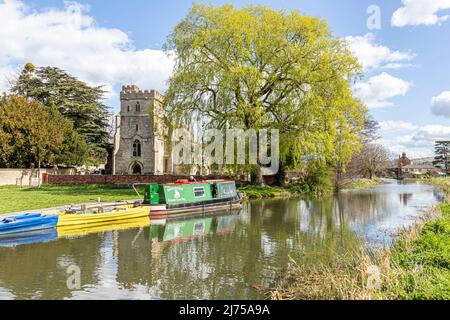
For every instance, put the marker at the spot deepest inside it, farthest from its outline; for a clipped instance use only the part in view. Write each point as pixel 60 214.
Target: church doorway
pixel 136 169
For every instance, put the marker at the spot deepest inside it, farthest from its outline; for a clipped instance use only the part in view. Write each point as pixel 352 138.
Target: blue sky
pixel 406 61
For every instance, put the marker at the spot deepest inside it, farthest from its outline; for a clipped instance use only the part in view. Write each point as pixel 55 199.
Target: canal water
pixel 224 256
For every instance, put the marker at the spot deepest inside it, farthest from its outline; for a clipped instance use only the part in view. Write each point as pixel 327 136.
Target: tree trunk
pixel 39 173
pixel 260 179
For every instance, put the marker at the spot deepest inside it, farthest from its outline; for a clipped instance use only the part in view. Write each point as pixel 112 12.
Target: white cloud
pixel 372 55
pixel 420 12
pixel 440 105
pixel 377 91
pixel 72 40
pixel 418 143
pixel 393 126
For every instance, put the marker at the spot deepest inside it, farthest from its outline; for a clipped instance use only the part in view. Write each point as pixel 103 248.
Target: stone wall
pixel 119 179
pixel 19 177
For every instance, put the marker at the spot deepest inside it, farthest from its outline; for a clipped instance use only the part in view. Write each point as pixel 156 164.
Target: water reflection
pixel 222 256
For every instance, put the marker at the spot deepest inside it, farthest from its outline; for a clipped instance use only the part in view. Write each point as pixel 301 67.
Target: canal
pixel 224 256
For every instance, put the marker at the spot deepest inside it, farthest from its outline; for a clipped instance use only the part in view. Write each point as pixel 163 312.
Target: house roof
pixel 419 166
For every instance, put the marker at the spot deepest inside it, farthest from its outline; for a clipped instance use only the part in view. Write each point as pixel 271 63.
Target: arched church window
pixel 138 107
pixel 136 148
pixel 129 108
pixel 137 127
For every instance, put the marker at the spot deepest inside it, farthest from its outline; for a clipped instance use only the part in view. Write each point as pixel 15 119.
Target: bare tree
pixel 374 160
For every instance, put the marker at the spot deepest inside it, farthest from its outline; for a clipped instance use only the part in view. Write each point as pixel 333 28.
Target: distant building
pixel 403 160
pixel 405 166
pixel 419 169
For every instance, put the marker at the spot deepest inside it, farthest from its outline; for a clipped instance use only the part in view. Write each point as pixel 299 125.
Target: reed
pixel 417 266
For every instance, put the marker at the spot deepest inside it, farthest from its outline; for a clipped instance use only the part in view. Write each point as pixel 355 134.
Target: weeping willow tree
pixel 257 68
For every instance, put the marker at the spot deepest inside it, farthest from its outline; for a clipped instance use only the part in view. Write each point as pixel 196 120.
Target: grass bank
pixel 13 199
pixel 262 192
pixel 416 267
pixel 442 182
pixel 365 183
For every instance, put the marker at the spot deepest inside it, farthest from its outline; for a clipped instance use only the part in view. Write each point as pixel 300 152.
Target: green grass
pixel 366 183
pixel 14 199
pixel 422 262
pixel 442 182
pixel 259 192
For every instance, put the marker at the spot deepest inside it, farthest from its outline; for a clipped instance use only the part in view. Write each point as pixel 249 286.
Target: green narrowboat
pixel 184 197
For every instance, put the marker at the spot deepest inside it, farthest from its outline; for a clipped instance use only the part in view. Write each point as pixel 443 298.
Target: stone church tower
pixel 139 142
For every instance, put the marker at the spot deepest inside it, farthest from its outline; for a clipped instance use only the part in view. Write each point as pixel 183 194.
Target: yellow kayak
pixel 76 221
pixel 71 231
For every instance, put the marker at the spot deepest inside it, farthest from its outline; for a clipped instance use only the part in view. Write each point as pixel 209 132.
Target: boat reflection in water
pixel 163 231
pixel 43 236
pixel 180 230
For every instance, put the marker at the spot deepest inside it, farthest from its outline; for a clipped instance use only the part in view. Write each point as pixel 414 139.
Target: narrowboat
pixel 27 222
pixel 184 197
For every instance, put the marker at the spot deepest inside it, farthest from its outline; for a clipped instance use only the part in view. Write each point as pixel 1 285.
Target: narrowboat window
pixel 227 190
pixel 199 192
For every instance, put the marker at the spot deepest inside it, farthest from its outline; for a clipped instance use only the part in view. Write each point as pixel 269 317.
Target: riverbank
pixel 416 267
pixel 365 183
pixel 262 192
pixel 13 199
pixel 441 182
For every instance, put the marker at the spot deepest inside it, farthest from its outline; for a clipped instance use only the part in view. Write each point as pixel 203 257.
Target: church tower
pixel 139 146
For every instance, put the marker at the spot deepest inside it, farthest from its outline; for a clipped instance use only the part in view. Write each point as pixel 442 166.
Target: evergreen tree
pixel 442 152
pixel 74 100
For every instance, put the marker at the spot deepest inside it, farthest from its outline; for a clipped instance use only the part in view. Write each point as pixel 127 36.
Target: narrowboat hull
pixel 27 223
pixel 164 211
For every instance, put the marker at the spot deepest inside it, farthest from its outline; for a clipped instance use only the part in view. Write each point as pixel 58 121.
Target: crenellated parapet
pixel 133 92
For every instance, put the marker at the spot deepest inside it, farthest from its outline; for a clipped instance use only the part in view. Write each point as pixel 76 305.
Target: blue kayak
pixel 27 222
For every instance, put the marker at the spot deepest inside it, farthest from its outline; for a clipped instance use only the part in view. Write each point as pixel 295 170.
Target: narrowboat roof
pixel 178 183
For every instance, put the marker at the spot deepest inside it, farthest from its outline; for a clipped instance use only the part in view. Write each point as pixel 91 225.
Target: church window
pixel 138 107
pixel 136 148
pixel 129 108
pixel 137 127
